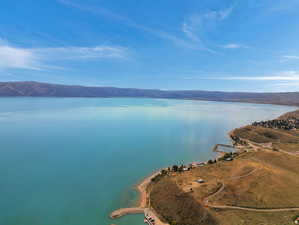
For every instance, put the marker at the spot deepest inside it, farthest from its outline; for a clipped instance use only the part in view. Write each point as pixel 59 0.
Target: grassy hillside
pixel 261 180
pixel 294 114
pixel 178 207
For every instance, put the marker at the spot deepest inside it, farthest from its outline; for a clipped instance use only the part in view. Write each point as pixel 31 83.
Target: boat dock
pixel 126 211
pixel 216 147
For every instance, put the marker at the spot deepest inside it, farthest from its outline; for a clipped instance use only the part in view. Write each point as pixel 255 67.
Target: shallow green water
pixel 71 161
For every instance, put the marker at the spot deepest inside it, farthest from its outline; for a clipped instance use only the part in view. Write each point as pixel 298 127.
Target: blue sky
pixel 230 45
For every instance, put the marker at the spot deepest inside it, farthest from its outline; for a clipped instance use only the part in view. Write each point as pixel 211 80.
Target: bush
pixel 175 168
pixel 210 161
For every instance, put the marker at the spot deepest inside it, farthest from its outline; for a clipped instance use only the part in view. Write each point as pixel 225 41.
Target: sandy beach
pixel 142 203
pixel 142 189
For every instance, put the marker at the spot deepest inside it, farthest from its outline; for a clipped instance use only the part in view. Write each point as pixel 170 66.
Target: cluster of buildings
pixel 288 124
pixel 229 156
pixel 184 168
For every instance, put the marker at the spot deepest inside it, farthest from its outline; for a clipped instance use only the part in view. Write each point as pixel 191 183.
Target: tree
pixel 163 172
pixel 181 168
pixel 175 168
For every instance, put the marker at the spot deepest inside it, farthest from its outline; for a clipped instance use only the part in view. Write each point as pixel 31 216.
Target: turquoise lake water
pixel 71 161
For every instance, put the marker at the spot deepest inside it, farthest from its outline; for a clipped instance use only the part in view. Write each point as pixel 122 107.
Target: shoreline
pixel 141 205
pixel 141 187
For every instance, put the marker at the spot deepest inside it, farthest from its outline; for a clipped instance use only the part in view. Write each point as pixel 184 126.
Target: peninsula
pixel 256 183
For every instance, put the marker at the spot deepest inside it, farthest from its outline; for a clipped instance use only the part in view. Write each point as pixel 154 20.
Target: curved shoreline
pixel 142 186
pixel 141 205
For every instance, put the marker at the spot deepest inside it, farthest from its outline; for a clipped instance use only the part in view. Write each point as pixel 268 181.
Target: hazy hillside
pixel 35 89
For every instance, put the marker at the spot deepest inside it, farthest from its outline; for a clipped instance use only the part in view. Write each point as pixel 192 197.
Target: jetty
pixel 216 147
pixel 126 211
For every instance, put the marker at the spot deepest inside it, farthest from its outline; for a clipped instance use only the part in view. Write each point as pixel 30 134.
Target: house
pixel 228 159
pixel 200 181
pixel 194 164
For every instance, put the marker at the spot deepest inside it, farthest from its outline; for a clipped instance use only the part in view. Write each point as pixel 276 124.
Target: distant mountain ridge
pixel 36 89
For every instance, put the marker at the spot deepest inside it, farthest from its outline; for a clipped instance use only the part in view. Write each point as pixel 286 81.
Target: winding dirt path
pixel 206 199
pixel 252 209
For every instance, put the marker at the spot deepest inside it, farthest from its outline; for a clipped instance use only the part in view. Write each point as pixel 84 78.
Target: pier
pixel 126 211
pixel 216 147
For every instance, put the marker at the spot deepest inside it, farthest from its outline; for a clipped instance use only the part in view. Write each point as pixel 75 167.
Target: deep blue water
pixel 71 161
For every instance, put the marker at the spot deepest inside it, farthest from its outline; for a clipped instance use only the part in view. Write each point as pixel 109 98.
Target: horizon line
pixel 155 89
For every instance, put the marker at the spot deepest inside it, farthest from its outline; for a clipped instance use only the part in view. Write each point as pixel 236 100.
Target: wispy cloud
pixel 41 58
pixel 282 76
pixel 220 14
pixel 130 23
pixel 189 27
pixel 233 46
pixel 17 58
pixel 78 53
pixel 290 57
pixel 288 84
pixel 193 26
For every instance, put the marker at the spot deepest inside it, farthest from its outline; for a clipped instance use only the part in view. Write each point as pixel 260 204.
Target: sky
pixel 225 45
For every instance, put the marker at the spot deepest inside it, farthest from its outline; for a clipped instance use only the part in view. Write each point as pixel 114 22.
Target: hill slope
pixel 35 89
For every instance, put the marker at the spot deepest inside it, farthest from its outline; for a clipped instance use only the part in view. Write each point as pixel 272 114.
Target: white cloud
pixel 130 23
pixel 290 57
pixel 282 76
pixel 219 15
pixel 189 26
pixel 233 46
pixel 38 58
pixel 18 58
pixel 76 53
pixel 193 26
pixel 288 84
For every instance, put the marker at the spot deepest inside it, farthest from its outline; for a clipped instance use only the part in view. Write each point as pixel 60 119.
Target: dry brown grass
pixel 275 184
pixel 294 114
pixel 235 217
pixel 272 183
pixel 266 135
pixel 177 207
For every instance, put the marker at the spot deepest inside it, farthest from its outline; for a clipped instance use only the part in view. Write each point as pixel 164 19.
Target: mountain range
pixel 37 89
